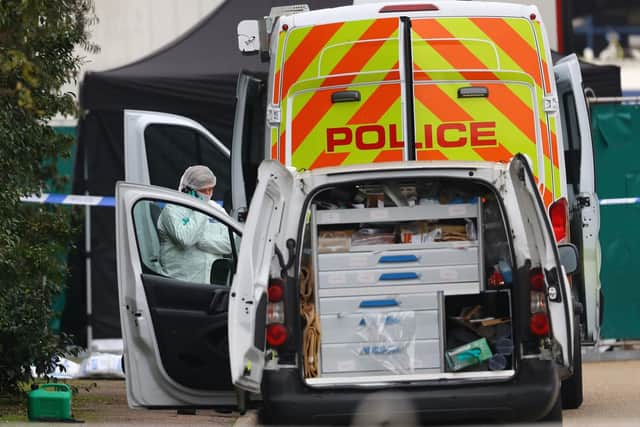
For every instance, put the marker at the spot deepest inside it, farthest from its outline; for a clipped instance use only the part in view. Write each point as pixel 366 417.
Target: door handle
pixel 397 258
pixel 399 276
pixel 219 302
pixel 379 303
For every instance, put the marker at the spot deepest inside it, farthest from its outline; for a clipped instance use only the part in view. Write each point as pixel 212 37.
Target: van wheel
pixel 554 417
pixel 572 386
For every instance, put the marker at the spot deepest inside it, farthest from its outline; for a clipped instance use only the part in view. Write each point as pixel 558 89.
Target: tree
pixel 38 40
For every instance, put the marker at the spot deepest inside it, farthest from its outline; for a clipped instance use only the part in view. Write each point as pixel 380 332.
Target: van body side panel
pixel 505 55
pixel 319 126
pixel 484 52
pixel 474 128
pixel 365 131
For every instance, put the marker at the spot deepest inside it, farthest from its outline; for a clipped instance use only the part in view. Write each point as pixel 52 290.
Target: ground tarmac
pixel 611 398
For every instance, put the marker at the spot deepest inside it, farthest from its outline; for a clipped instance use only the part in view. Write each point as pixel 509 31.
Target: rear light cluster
pixel 559 214
pixel 276 330
pixel 539 319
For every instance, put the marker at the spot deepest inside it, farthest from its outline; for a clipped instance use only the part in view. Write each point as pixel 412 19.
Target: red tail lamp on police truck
pixel 276 330
pixel 539 319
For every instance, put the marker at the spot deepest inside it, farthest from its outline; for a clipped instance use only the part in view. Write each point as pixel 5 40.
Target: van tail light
pixel 409 8
pixel 275 291
pixel 539 324
pixel 276 330
pixel 275 312
pixel 536 278
pixel 539 319
pixel 559 214
pixel 276 334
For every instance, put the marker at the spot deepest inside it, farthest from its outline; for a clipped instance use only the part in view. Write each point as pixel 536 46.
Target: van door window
pixel 572 137
pixel 183 244
pixel 188 259
pixel 171 149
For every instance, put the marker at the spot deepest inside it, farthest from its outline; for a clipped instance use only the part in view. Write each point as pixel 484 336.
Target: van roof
pixel 445 8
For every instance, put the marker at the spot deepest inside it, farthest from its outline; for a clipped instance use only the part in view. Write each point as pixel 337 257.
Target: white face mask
pixel 205 197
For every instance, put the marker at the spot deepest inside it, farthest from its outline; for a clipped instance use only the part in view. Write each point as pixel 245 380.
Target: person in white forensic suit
pixel 191 241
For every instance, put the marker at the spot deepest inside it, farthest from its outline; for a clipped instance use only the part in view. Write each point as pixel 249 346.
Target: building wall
pixel 129 30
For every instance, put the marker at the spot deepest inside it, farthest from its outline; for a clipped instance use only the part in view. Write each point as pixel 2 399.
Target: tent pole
pixel 87 258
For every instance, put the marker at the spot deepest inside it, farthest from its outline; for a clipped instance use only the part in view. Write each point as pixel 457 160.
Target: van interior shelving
pixel 412 281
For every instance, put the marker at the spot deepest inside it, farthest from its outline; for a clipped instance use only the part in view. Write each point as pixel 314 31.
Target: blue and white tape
pixel 620 201
pixel 81 200
pixel 70 199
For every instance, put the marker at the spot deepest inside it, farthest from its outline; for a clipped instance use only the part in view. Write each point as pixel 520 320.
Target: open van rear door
pixel 174 330
pixel 583 201
pixel 249 144
pixel 158 147
pixel 559 302
pixel 248 298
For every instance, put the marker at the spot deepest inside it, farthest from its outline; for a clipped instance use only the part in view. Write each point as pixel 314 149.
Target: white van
pixel 171 338
pixel 441 280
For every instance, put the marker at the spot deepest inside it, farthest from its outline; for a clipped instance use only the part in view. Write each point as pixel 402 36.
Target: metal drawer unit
pixel 390 284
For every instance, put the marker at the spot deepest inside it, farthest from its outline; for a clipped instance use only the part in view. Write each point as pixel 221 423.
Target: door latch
pixel 583 201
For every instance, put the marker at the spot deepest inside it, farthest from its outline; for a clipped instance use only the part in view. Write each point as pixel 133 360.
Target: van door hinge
pixel 273 115
pixel 550 104
pixel 583 202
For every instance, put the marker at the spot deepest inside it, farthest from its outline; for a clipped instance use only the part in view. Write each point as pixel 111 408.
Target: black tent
pixel 195 76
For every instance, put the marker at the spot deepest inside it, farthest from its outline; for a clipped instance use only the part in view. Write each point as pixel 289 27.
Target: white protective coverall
pixel 190 242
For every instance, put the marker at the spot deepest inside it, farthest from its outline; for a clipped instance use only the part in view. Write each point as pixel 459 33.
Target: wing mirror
pixel 568 257
pixel 249 40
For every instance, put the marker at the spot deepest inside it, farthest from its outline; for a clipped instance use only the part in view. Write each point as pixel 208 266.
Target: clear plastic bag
pixel 388 341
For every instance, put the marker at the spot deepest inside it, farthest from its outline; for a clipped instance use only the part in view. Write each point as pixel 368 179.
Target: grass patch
pixel 86 398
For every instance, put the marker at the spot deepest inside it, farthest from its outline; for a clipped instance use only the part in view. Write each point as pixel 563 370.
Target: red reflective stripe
pixel 309 116
pixel 516 111
pixel 418 74
pixel 340 80
pixel 378 103
pixel 457 55
pixel 360 53
pixel 512 43
pixel 320 102
pixel 452 51
pixel 545 144
pixel 306 52
pixel 282 144
pixel 547 83
pixel 481 75
pixel 329 159
pixel 440 104
pixel 274 151
pixel 389 156
pixel 494 154
pixel 547 197
pixel 276 87
pixel 430 155
pixel 554 148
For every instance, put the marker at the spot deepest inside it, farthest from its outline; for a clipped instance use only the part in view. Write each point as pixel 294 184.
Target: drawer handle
pixel 399 276
pixel 397 258
pixel 378 303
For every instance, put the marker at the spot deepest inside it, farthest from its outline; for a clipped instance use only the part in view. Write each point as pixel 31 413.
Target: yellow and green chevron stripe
pixel 500 54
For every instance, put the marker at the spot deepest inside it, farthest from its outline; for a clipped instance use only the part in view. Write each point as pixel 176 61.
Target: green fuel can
pixel 50 402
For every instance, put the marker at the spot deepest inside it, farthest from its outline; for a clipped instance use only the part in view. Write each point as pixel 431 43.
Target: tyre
pixel 572 386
